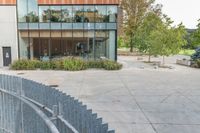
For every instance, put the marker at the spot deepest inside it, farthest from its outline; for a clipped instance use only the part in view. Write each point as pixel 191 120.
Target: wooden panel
pixel 34 33
pixel 75 2
pixel 7 2
pixel 56 2
pixel 23 33
pixel 56 34
pixel 67 1
pixel 67 34
pixel 90 1
pixel 44 33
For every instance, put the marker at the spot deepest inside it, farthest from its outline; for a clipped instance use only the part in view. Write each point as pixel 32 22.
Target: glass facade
pixel 44 14
pixel 46 32
pixel 67 14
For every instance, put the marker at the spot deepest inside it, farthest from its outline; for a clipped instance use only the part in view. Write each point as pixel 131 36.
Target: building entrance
pixel 6 56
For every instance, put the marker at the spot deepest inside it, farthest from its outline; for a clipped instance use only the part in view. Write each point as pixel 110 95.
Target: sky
pixel 186 11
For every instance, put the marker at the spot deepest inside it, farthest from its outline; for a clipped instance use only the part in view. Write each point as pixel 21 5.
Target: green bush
pixel 95 64
pixel 57 64
pixel 25 64
pixel 74 64
pixel 45 65
pixel 33 64
pixel 107 65
pixel 69 64
pixel 198 63
pixel 112 65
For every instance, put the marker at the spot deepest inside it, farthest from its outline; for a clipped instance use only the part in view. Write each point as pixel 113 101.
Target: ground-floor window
pixel 87 44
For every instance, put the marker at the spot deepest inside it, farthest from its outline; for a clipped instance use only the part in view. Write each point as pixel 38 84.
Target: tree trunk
pixel 163 60
pixel 131 45
pixel 149 60
pixel 131 49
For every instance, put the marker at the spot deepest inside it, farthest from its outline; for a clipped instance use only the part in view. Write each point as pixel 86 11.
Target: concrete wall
pixel 8 31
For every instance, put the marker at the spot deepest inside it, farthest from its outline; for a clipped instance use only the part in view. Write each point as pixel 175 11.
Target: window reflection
pixel 32 11
pixel 101 14
pixel 89 14
pixel 22 10
pixel 56 14
pixel 28 12
pixel 112 13
pixel 78 13
pixel 67 14
pixel 44 14
pixel 101 46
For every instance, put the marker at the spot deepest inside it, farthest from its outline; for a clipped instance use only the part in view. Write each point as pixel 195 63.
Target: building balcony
pixel 67 26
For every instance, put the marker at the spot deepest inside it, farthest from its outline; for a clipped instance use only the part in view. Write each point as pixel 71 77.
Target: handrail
pixel 50 111
pixel 5 130
pixel 47 121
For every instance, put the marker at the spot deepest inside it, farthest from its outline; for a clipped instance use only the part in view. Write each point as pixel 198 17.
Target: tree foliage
pixel 195 37
pixel 167 40
pixel 122 42
pixel 157 36
pixel 135 11
pixel 142 39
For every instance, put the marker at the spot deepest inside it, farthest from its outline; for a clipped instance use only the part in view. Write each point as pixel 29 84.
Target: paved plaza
pixel 136 99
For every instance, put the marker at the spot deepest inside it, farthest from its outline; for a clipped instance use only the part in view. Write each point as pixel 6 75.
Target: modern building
pixel 46 29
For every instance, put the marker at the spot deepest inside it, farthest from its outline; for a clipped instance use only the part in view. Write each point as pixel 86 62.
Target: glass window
pixel 89 43
pixel 112 44
pixel 89 13
pixel 101 47
pixel 67 43
pixel 32 11
pixel 23 44
pixel 78 43
pixel 22 10
pixel 67 14
pixel 44 14
pixel 112 13
pixel 101 14
pixel 78 13
pixel 55 14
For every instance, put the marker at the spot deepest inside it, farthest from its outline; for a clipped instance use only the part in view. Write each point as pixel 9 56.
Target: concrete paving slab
pixel 134 100
pixel 171 128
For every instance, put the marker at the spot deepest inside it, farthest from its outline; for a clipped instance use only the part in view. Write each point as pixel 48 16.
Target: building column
pixel 31 49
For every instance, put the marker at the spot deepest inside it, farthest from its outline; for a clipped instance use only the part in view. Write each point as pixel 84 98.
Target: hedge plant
pixel 111 65
pixel 25 64
pixel 68 64
pixel 74 64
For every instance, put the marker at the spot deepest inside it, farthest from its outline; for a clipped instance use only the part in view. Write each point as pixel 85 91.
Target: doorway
pixel 6 56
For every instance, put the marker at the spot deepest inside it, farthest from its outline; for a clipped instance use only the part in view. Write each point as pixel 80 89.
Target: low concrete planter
pixel 183 62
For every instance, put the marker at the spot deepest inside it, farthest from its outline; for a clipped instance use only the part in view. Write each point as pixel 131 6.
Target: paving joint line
pixel 137 103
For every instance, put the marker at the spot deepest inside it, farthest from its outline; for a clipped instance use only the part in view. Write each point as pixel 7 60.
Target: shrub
pixel 25 64
pixel 57 64
pixel 74 64
pixel 95 64
pixel 198 63
pixel 111 65
pixel 33 64
pixel 69 64
pixel 18 65
pixel 45 65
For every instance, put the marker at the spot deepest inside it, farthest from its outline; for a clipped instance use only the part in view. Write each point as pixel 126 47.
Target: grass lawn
pixel 187 52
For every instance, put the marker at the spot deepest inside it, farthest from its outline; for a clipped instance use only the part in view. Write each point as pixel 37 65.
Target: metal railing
pixel 30 107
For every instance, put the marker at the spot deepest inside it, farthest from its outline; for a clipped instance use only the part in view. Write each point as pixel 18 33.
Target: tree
pixel 167 40
pixel 151 22
pixel 135 11
pixel 195 37
pixel 122 42
pixel 156 36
